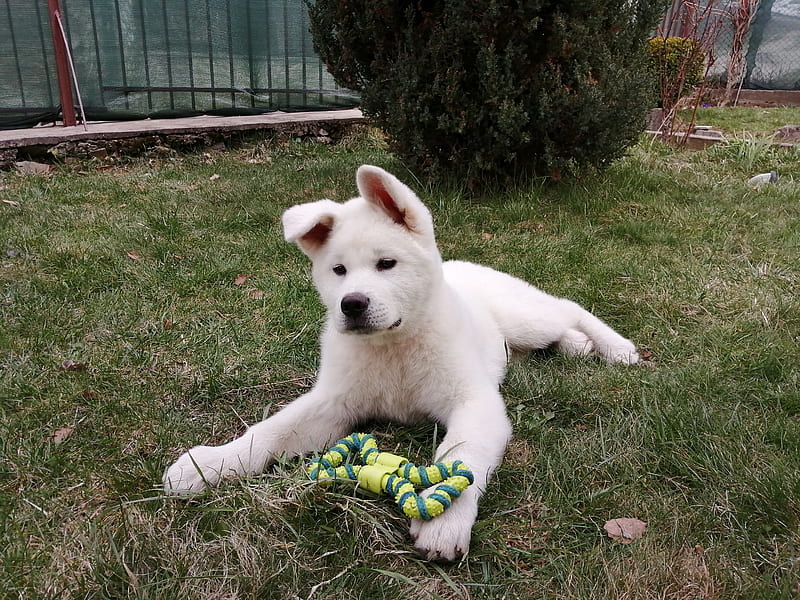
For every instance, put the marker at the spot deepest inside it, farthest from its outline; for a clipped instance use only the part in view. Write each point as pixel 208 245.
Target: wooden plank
pixel 769 98
pixel 109 130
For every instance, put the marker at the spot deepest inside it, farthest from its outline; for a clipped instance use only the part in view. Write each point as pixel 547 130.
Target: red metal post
pixel 62 66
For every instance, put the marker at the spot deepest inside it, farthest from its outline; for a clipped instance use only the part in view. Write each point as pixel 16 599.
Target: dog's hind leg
pixel 530 319
pixel 575 343
pixel 308 424
pixel 604 340
pixel 547 321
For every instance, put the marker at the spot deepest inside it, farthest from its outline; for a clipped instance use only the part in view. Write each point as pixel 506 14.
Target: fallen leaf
pixel 60 435
pixel 71 365
pixel 168 324
pixel 241 279
pixel 214 177
pixel 133 255
pixel 90 394
pixel 257 295
pixel 487 236
pixel 625 530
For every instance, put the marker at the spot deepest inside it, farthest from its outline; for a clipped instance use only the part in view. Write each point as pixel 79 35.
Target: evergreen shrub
pixel 494 90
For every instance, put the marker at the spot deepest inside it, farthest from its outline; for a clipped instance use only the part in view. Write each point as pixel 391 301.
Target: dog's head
pixel 375 261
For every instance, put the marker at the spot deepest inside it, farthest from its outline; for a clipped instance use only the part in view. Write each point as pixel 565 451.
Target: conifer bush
pixel 494 90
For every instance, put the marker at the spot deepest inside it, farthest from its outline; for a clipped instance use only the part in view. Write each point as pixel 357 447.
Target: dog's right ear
pixel 309 225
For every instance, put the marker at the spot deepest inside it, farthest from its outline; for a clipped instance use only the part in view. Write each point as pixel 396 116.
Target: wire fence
pixel 162 58
pixel 773 50
pixel 755 44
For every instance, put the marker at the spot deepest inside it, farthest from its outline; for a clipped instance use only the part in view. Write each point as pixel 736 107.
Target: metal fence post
pixel 62 66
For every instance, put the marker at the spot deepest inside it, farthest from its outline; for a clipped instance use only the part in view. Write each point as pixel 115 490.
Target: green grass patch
pixel 750 120
pixel 128 336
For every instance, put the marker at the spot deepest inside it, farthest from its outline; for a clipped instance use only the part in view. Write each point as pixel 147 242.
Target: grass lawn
pixel 744 121
pixel 152 305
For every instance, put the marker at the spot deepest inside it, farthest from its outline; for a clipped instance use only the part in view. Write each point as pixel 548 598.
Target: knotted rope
pixel 394 475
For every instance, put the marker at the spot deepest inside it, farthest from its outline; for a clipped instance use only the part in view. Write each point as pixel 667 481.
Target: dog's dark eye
pixel 340 269
pixel 385 264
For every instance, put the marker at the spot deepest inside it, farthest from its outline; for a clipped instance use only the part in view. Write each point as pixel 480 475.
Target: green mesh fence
pixel 773 54
pixel 28 87
pixel 164 58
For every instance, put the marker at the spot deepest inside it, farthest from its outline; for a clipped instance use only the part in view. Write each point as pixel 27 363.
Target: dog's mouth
pixel 363 329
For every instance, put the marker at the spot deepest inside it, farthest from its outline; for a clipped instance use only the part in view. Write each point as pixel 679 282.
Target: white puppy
pixel 406 338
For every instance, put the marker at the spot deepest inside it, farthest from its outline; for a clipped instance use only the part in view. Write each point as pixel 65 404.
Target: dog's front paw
pixel 195 471
pixel 446 537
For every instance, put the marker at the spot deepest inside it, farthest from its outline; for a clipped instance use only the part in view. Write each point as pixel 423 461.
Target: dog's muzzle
pixel 354 307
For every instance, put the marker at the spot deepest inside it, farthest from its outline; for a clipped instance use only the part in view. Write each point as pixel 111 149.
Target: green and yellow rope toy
pixel 394 475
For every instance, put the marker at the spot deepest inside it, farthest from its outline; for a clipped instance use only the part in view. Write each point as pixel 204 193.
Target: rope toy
pixel 394 475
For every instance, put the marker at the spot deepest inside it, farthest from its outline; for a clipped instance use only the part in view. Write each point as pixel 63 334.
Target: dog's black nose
pixel 354 305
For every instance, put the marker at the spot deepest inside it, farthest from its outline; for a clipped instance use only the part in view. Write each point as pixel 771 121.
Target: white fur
pixel 430 344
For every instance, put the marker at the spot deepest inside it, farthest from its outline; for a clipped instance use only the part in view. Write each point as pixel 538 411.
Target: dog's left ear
pixel 310 224
pixel 394 198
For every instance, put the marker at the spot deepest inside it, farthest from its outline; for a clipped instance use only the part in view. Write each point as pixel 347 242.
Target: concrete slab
pixel 695 141
pixel 109 130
